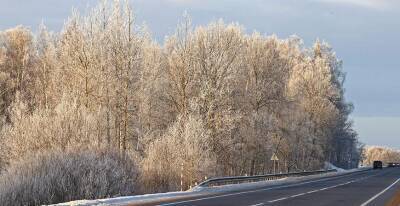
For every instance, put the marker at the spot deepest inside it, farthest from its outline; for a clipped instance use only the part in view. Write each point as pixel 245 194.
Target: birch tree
pixel 16 68
pixel 217 51
pixel 267 69
pixel 180 50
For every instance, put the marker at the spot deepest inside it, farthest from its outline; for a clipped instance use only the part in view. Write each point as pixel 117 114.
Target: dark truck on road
pixel 378 165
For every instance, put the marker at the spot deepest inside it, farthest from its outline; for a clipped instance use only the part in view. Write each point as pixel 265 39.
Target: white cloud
pixel 180 1
pixel 373 4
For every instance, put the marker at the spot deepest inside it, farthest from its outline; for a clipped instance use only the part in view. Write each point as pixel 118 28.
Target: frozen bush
pixel 181 151
pixel 60 176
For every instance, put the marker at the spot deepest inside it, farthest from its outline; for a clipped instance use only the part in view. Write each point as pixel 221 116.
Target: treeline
pixel 210 101
pixel 384 154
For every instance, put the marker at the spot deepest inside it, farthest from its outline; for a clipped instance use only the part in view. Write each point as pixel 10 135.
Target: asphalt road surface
pixel 372 187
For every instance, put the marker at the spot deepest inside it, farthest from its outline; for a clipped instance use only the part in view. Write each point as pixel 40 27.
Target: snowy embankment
pixel 204 191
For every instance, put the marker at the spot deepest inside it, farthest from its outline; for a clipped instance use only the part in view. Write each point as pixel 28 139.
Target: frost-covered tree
pixel 47 70
pixel 217 61
pixel 17 59
pixel 266 74
pixel 102 56
pixel 180 67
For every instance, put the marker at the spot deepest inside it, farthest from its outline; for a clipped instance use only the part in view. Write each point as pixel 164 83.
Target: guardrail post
pixel 182 176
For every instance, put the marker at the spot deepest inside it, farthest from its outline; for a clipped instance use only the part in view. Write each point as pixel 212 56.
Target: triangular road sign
pixel 274 157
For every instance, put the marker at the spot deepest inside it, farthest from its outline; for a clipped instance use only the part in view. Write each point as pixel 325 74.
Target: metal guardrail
pixel 244 179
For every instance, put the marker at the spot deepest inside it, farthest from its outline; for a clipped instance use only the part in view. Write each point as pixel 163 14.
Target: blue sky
pixel 364 33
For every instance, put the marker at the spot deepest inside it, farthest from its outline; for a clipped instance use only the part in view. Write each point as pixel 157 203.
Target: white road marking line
pixel 258 190
pixel 298 195
pixel 312 191
pixel 377 195
pixel 277 200
pixel 318 190
pixel 259 204
pixel 322 189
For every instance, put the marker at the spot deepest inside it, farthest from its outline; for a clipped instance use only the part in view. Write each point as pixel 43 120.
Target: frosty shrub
pixel 55 177
pixel 66 127
pixel 182 150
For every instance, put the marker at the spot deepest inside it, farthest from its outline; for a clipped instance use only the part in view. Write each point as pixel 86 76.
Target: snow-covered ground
pixel 329 166
pixel 127 199
pixel 203 191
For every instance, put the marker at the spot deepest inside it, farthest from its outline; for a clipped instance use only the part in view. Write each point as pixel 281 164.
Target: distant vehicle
pixel 393 164
pixel 378 164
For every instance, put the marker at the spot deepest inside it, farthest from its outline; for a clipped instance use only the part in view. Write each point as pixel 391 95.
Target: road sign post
pixel 274 158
